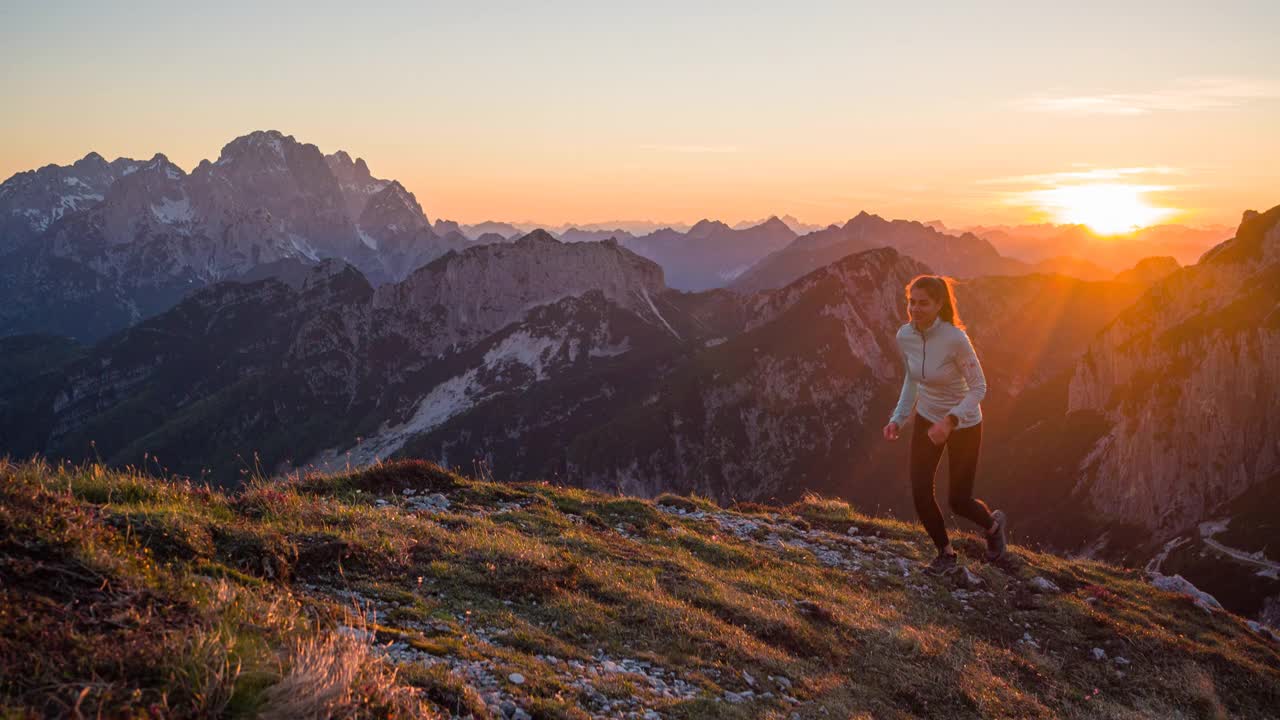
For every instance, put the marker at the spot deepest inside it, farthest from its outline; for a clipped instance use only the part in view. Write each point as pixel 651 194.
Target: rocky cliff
pixel 1190 377
pixel 97 246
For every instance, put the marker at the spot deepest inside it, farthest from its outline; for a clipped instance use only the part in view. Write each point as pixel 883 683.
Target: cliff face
pixel 95 247
pixel 466 296
pixel 32 201
pixel 293 357
pixel 1190 378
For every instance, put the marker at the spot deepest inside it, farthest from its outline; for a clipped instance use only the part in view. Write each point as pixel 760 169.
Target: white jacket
pixel 943 375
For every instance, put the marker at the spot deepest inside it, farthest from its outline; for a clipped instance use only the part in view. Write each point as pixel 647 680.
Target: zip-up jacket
pixel 943 375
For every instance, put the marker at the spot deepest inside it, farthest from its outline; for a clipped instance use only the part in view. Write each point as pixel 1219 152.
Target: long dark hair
pixel 942 289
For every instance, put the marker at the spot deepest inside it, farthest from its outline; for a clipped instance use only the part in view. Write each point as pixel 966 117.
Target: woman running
pixel 944 383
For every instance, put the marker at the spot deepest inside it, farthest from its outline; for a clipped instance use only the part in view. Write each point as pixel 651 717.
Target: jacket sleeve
pixel 967 361
pixel 907 398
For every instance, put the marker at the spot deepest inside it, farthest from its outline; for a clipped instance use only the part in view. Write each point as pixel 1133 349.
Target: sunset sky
pixel 574 111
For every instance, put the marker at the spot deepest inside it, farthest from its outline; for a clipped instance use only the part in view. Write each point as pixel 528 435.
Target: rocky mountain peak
pixel 260 143
pixel 444 227
pixel 33 200
pixel 1149 271
pixel 160 163
pixel 1196 334
pixel 774 223
pixel 486 287
pixel 864 222
pixel 704 228
pixel 393 205
pixel 358 185
pixel 1256 240
pixel 348 170
pixel 92 160
pixel 538 236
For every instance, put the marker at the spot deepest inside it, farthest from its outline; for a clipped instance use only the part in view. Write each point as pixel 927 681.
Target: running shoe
pixel 996 541
pixel 941 564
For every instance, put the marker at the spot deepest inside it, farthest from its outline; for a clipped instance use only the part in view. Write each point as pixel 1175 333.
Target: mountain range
pixel 95 247
pixel 281 309
pixel 1034 243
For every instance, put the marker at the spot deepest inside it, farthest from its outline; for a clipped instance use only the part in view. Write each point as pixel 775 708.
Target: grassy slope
pixel 334 595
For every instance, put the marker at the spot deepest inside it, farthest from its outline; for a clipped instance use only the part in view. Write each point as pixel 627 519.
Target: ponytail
pixel 942 289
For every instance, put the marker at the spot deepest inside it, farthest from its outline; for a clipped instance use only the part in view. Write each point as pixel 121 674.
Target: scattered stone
pixel 516 678
pixel 1099 654
pixel 1182 586
pixel 1121 660
pixel 1044 585
pixel 1263 630
pixel 963 577
pixel 365 636
pixel 853 530
pixel 748 677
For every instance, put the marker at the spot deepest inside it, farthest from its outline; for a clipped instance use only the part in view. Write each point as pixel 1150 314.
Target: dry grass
pixel 334 675
pixel 121 591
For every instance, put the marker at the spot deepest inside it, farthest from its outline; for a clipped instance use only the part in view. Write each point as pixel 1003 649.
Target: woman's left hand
pixel 939 432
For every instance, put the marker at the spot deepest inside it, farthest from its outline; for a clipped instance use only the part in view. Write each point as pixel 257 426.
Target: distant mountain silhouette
pixel 964 255
pixel 711 253
pixel 1036 242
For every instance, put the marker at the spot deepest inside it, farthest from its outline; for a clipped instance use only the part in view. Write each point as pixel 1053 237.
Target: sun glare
pixel 1106 208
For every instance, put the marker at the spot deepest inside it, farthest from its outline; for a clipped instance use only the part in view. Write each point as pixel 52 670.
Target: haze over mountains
pixel 93 247
pixel 289 305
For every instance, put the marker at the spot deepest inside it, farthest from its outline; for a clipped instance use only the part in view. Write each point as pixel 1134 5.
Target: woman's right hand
pixel 891 431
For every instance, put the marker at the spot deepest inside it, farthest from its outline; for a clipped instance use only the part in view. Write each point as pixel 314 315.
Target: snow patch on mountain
pixel 171 211
pixel 526 349
pixel 445 400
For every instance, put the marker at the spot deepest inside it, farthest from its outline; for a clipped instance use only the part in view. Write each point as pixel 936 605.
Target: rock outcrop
pixel 1190 377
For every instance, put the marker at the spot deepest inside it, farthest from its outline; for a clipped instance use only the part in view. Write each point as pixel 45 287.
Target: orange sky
pixel 573 112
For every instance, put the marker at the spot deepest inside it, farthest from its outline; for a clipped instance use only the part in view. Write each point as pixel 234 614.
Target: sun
pixel 1106 208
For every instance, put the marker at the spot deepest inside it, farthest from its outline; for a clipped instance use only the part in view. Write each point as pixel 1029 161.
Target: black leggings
pixel 962 462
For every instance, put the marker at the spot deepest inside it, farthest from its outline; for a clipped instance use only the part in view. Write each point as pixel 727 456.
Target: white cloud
pixel 1185 95
pixel 692 148
pixel 1079 176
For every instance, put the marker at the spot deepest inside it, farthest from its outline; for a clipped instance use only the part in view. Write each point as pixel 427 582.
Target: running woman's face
pixel 922 308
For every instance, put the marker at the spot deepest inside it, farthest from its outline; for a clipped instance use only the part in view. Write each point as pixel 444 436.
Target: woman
pixel 944 383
